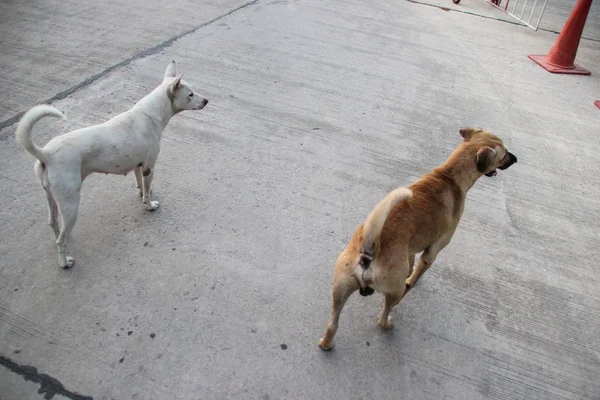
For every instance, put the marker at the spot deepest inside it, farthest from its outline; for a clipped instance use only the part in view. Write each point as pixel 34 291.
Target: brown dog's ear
pixel 174 86
pixel 485 156
pixel 467 133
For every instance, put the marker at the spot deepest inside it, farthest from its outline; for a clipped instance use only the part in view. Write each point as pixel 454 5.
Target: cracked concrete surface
pixel 317 110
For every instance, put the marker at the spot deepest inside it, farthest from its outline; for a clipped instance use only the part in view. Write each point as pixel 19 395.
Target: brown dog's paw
pixel 385 325
pixel 325 346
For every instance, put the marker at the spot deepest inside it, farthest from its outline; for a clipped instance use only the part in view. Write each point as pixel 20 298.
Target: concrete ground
pixel 554 15
pixel 317 110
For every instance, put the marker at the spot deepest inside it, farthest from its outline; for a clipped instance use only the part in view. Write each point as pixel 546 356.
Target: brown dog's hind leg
pixel 344 285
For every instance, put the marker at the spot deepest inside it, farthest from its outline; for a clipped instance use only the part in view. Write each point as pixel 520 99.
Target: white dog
pixel 129 141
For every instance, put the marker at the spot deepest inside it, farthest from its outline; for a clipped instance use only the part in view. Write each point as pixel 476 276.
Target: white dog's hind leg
pixel 68 205
pixel 138 179
pixel 52 213
pixel 147 198
pixel 40 172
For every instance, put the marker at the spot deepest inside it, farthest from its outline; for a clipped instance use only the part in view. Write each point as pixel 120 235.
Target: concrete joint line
pixel 141 54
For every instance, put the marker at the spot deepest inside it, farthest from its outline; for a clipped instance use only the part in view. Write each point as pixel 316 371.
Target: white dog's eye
pixel 191 94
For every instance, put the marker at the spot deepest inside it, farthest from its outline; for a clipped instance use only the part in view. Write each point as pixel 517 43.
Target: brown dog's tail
pixel 374 224
pixel 26 125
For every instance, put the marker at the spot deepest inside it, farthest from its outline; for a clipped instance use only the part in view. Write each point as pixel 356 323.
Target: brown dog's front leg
pixel 422 265
pixel 384 320
pixel 427 258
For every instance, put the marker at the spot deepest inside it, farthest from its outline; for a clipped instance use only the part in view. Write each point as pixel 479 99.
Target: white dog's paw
pixel 152 205
pixel 70 262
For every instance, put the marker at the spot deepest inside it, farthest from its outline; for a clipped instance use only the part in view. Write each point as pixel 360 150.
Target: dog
pixel 128 142
pixel 420 218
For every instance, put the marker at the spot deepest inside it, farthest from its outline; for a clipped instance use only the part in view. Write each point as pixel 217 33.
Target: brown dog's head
pixel 491 153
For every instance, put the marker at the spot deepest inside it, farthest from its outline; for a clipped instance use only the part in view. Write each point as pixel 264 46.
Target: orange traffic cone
pixel 561 59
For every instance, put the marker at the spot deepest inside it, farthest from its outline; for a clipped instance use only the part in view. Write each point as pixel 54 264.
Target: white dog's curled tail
pixel 374 224
pixel 25 126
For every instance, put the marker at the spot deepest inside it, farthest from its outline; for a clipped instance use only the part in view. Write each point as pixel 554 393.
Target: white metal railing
pixel 525 11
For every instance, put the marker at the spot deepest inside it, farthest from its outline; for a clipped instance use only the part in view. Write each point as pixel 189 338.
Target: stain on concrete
pixel 49 386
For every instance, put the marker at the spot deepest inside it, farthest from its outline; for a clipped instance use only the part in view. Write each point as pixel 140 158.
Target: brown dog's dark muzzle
pixel 510 160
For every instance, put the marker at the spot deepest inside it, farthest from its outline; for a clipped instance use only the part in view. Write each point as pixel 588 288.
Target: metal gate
pixel 529 12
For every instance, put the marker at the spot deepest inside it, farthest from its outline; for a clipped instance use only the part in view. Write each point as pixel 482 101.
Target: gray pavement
pixel 317 110
pixel 65 44
pixel 553 18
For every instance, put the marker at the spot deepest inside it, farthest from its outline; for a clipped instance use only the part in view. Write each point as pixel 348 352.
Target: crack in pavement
pixel 144 53
pixel 49 386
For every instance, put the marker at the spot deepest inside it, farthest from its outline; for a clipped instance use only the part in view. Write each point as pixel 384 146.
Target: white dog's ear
pixel 174 86
pixel 170 72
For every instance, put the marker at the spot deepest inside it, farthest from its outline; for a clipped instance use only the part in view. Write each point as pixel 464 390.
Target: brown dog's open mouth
pixel 510 159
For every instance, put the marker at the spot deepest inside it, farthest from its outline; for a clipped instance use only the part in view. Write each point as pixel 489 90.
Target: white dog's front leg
pixel 138 179
pixel 151 205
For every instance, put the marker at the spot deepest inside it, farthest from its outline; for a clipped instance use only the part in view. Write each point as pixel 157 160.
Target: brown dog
pixel 381 254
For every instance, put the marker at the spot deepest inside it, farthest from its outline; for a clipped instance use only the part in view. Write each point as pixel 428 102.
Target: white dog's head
pixel 181 94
